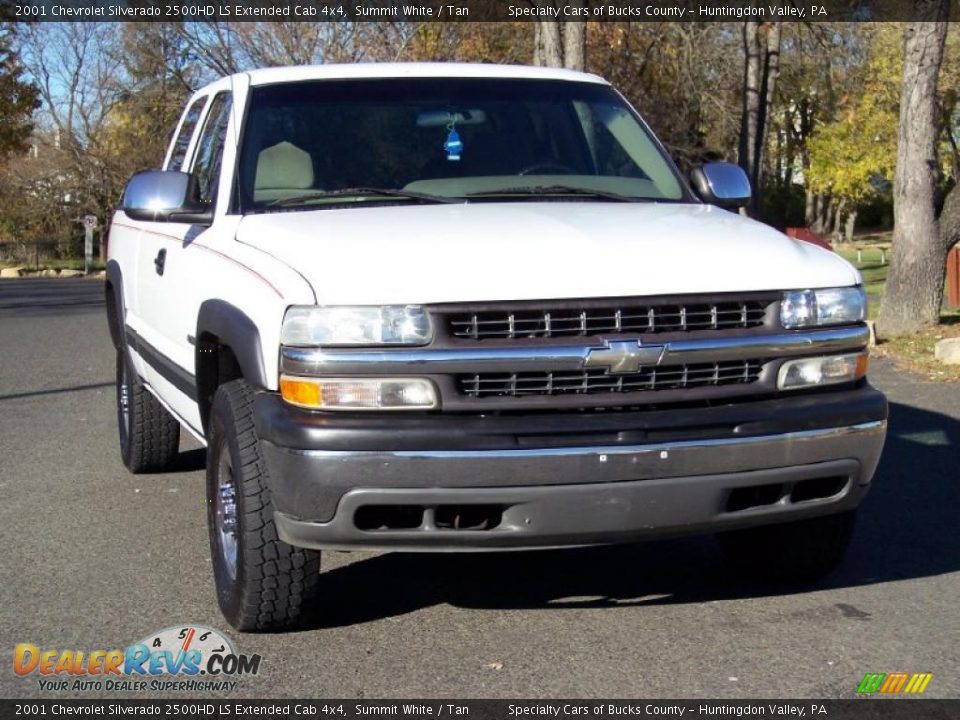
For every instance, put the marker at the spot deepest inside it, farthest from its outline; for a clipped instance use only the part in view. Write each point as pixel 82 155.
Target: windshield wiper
pixel 363 192
pixel 534 190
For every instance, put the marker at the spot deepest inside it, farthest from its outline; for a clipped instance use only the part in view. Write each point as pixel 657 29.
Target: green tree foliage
pixel 18 98
pixel 152 91
pixel 853 156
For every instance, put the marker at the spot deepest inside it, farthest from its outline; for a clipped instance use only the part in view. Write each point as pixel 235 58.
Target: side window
pixel 182 142
pixel 209 153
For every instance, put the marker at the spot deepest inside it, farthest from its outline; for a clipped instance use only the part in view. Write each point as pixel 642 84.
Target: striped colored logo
pixel 893 683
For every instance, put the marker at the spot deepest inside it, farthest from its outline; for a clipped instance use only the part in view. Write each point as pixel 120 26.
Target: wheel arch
pixel 113 290
pixel 227 347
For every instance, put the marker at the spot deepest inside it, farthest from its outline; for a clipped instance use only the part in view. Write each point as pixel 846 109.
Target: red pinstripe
pixel 179 240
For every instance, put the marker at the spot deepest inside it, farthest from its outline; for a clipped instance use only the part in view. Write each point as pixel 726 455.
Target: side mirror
pixel 165 196
pixel 723 184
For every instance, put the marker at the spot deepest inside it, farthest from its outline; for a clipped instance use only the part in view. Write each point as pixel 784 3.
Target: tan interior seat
pixel 283 170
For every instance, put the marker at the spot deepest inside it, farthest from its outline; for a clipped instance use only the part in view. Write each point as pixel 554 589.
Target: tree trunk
pixel 574 42
pixel 768 87
pixel 814 224
pixel 851 226
pixel 829 210
pixel 561 44
pixel 821 223
pixel 751 98
pixel 837 217
pixel 551 49
pixel 537 43
pixel 810 208
pixel 778 161
pixel 914 290
pixel 789 148
pixel 761 43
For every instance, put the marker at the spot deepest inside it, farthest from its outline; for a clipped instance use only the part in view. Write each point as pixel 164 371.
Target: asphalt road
pixel 95 558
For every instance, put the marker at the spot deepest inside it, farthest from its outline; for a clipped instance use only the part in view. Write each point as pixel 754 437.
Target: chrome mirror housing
pixel 723 184
pixel 164 196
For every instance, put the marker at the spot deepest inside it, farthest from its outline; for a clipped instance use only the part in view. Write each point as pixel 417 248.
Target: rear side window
pixel 182 142
pixel 209 154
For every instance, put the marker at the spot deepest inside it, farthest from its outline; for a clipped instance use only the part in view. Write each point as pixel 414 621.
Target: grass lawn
pixel 914 352
pixel 874 273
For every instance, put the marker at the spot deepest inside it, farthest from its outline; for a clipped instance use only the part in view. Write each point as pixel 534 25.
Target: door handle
pixel 160 261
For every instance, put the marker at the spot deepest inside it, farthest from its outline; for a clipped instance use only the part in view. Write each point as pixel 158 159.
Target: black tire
pixel 149 435
pixel 263 584
pixel 803 551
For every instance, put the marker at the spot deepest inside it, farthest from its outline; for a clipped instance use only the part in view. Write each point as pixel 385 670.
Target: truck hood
pixel 535 250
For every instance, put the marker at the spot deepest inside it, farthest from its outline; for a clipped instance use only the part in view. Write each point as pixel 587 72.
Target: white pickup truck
pixel 470 307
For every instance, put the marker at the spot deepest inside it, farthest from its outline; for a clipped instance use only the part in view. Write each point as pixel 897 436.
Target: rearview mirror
pixel 443 118
pixel 723 184
pixel 165 196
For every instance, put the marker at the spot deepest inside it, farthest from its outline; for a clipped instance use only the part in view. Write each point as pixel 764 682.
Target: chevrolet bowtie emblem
pixel 623 356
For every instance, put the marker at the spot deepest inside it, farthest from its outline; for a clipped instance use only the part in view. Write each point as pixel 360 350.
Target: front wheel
pixel 262 582
pixel 802 551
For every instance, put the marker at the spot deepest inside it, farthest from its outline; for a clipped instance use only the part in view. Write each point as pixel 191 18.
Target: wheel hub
pixel 225 515
pixel 123 402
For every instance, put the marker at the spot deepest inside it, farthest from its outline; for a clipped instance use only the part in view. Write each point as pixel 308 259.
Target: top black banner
pixel 461 10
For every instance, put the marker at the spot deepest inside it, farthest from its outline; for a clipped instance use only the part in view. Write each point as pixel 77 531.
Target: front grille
pixel 673 377
pixel 624 318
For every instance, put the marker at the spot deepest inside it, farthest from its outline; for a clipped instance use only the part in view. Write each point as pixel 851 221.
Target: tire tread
pixel 277 581
pixel 154 437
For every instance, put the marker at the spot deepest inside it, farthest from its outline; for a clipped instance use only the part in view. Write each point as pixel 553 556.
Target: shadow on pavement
pixel 58 391
pixel 189 461
pixel 906 529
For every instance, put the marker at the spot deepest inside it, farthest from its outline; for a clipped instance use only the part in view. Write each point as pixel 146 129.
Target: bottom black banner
pixel 883 709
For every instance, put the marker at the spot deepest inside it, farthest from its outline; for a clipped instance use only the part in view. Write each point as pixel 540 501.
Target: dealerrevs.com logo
pixel 187 658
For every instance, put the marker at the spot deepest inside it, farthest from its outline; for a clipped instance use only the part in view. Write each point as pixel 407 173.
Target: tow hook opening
pixel 468 517
pixel 820 488
pixel 757 496
pixel 388 517
pixel 373 518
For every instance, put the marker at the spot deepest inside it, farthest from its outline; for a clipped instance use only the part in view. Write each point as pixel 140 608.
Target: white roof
pixel 267 76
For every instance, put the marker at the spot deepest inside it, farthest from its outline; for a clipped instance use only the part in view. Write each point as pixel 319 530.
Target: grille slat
pixel 482 385
pixel 629 318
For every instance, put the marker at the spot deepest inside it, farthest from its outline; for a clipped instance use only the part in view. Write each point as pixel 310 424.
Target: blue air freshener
pixel 453 145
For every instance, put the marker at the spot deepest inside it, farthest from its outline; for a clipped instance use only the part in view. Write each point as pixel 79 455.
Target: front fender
pixel 115 309
pixel 234 328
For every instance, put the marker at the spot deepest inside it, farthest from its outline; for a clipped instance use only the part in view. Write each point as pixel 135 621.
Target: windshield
pixel 311 144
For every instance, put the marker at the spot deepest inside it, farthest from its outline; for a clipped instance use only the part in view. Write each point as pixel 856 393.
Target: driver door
pixel 169 294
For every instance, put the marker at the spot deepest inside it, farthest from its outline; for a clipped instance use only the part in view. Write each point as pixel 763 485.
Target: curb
pixel 49 273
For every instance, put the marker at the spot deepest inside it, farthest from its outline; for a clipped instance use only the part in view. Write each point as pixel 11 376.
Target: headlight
pixel 815 371
pixel 359 393
pixel 834 306
pixel 352 326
